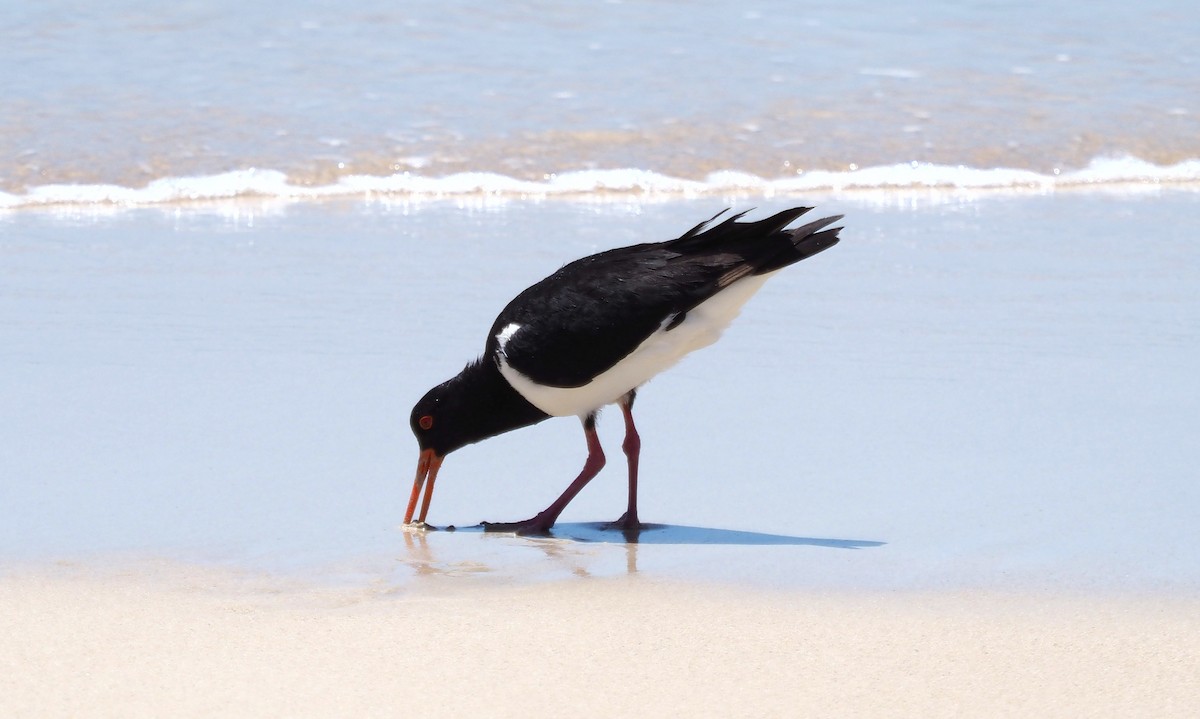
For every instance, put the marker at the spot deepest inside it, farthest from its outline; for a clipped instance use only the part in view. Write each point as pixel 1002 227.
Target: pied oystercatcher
pixel 593 332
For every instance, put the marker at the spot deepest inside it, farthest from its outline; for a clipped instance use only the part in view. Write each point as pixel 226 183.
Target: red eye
pixel 426 421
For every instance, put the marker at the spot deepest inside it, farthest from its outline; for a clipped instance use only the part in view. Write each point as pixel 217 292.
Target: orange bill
pixel 427 469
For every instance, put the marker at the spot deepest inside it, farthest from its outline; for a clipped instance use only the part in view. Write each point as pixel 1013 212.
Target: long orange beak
pixel 427 468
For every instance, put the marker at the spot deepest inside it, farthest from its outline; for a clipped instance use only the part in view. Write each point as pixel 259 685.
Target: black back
pixel 587 316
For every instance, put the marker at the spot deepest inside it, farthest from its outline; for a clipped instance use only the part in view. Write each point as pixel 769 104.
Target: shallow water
pixel 989 391
pixel 136 92
pixel 990 382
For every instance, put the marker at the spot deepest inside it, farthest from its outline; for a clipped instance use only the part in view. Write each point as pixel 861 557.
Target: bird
pixel 592 333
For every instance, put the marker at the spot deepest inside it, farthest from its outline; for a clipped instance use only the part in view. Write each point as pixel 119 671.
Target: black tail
pixel 759 247
pixel 807 241
pixel 732 233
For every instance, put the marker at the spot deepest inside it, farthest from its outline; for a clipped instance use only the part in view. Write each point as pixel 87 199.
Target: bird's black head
pixel 435 423
pixel 475 405
pixel 440 420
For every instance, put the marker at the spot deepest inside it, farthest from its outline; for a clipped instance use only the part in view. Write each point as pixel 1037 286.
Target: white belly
pixel 702 326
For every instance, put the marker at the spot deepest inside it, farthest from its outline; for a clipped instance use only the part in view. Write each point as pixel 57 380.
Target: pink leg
pixel 545 519
pixel 633 448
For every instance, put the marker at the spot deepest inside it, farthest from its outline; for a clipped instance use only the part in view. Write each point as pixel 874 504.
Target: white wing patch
pixel 701 327
pixel 506 334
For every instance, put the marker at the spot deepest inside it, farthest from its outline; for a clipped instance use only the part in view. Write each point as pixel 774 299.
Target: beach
pixel 991 393
pixel 945 468
pixel 163 638
pixel 962 474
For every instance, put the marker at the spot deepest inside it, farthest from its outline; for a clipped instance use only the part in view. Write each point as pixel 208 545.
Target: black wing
pixel 587 316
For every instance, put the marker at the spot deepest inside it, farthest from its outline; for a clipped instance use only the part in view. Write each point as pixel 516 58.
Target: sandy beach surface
pixel 167 639
pixel 993 392
pixel 947 469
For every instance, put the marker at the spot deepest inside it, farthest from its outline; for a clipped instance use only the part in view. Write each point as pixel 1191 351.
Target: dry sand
pixel 166 640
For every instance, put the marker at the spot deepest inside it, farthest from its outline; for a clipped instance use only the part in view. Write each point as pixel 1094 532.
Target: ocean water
pixel 138 102
pixel 237 241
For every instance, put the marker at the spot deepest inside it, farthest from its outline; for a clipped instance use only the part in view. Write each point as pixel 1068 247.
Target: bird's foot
pixel 536 525
pixel 626 524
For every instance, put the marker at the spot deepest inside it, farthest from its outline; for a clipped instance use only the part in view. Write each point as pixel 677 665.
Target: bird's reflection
pixel 573 547
pixel 420 555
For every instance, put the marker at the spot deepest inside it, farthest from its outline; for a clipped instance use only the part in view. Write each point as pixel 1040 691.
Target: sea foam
pixel 620 184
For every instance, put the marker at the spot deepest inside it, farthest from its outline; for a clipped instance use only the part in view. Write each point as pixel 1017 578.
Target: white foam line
pixel 605 184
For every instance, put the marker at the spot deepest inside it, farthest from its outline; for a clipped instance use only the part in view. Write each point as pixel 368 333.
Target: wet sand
pixel 993 392
pixel 946 471
pixel 166 639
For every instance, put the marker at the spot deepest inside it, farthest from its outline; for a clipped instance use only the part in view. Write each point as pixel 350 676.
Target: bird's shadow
pixel 604 532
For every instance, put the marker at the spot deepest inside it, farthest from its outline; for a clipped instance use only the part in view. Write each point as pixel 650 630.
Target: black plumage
pixel 584 320
pixel 616 299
